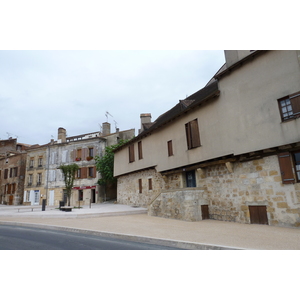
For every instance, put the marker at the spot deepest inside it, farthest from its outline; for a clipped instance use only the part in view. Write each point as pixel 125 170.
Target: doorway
pixel 204 212
pixel 93 196
pixel 258 214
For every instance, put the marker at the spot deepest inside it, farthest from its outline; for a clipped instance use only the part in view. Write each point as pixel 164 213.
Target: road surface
pixel 25 238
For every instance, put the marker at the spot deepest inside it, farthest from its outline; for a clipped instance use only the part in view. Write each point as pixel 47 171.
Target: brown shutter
pixel 286 168
pixel 140 186
pixel 170 148
pixel 16 174
pixel 295 101
pixel 188 135
pixel 95 172
pixel 140 150
pixel 84 172
pixel 150 183
pixel 131 153
pixel 195 133
pixel 85 153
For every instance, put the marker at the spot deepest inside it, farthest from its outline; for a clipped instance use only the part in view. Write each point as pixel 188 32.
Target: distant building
pixel 12 171
pixel 45 180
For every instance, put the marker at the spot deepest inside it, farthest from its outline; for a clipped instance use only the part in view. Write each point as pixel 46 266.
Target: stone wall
pixel 227 190
pixel 183 204
pixel 256 182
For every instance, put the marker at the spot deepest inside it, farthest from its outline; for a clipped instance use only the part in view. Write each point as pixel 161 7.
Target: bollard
pixel 44 205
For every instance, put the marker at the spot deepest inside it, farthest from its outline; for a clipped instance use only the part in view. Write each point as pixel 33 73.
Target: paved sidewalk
pixel 133 223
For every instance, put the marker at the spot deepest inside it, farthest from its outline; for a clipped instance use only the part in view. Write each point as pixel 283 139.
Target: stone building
pixel 12 171
pixel 44 179
pixel 36 175
pixel 230 151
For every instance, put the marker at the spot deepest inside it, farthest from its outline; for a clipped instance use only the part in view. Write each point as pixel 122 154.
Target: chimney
pixel 105 128
pixel 62 135
pixel 145 119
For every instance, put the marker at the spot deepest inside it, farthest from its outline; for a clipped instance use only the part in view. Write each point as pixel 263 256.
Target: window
pixel 31 162
pixel 91 152
pixel 13 172
pixel 289 164
pixel 190 178
pixel 140 186
pixel 40 162
pixel 150 184
pixel 79 173
pixel 140 150
pixel 5 173
pixel 289 107
pixel 131 153
pixel 192 134
pixel 170 148
pixel 92 172
pixel 30 179
pixel 39 178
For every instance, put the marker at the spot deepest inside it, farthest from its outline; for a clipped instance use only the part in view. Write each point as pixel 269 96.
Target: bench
pixel 66 208
pixel 28 208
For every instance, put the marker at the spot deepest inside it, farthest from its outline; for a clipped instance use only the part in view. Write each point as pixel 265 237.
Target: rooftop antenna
pixel 100 127
pixel 116 125
pixel 108 114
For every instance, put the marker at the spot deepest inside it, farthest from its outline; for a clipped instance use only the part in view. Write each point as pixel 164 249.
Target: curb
pixel 70 215
pixel 128 237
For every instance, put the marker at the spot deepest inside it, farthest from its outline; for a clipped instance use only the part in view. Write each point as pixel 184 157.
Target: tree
pixel 69 172
pixel 105 164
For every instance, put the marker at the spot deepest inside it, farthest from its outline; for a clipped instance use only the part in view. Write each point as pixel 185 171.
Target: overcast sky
pixel 43 90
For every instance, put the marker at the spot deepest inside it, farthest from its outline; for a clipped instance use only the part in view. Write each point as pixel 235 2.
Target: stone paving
pixel 133 223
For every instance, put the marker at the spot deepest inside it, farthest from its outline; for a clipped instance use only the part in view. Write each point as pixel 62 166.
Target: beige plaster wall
pixel 244 118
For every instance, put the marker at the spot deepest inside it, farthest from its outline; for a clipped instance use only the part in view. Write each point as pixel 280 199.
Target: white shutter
pixel 51 198
pixel 31 197
pixel 64 156
pixel 53 158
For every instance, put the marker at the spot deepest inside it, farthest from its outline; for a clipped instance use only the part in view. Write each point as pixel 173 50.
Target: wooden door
pixel 11 200
pixel 204 211
pixel 258 215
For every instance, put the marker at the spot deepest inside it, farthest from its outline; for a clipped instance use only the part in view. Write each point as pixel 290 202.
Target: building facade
pixel 230 151
pixel 12 171
pixel 44 179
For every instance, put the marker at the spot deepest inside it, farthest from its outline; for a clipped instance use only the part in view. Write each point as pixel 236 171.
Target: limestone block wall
pixel 182 204
pixel 256 182
pixel 128 189
pixel 228 192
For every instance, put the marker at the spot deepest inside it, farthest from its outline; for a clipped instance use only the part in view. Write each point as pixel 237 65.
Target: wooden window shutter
pixel 286 168
pixel 84 172
pixel 192 134
pixel 140 149
pixel 295 101
pixel 85 153
pixel 131 153
pixel 170 148
pixel 16 174
pixel 140 186
pixel 95 172
pixel 150 183
pixel 188 135
pixel 195 134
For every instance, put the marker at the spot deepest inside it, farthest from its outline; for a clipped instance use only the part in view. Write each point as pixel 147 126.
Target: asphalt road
pixel 26 238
